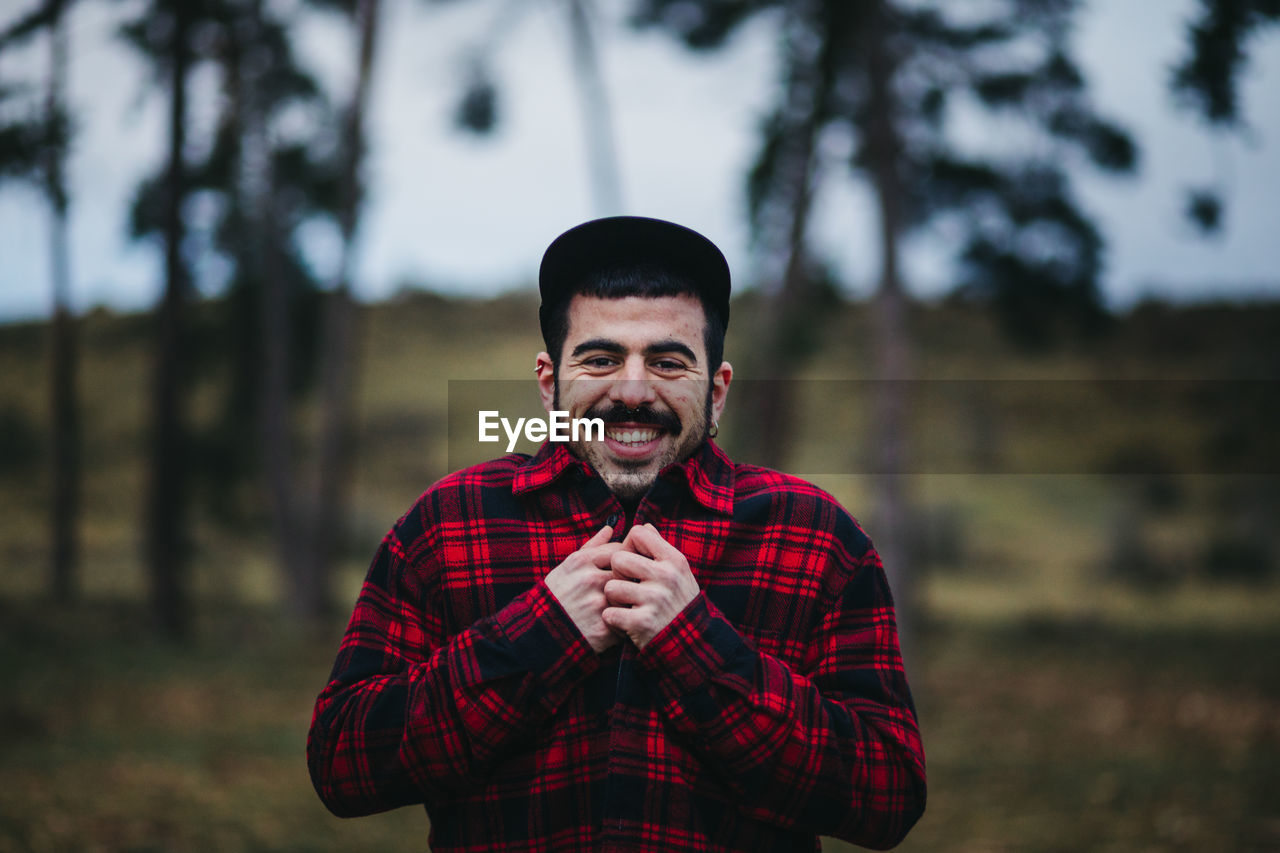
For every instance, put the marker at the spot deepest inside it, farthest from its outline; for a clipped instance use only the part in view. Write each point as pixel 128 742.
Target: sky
pixel 472 216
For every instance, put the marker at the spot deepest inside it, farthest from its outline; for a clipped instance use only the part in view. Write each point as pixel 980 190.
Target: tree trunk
pixel 166 508
pixel 66 438
pixel 890 336
pixel 313 595
pixel 64 526
pixel 771 402
pixel 261 257
pixel 787 309
pixel 277 433
pixel 311 579
pixel 602 153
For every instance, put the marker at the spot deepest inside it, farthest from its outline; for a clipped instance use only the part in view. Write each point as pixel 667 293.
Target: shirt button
pixel 614 519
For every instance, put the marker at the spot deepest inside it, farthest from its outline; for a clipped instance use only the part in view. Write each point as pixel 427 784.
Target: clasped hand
pixel 632 588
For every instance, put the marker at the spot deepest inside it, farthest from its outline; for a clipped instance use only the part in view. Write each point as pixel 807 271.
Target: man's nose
pixel 632 388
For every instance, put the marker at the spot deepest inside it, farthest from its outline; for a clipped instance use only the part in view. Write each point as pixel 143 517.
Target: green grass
pixel 1053 736
pixel 1044 735
pixel 112 741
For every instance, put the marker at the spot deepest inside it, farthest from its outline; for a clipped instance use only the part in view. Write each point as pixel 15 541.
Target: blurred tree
pixel 602 151
pixel 780 192
pixel 265 175
pixel 478 106
pixel 38 149
pixel 891 81
pixel 1207 80
pixel 269 190
pixel 164 32
pixel 312 597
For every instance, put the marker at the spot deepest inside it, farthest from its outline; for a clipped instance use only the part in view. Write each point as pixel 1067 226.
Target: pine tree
pixel 894 77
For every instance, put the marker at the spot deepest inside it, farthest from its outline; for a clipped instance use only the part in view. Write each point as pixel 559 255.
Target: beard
pixel 631 479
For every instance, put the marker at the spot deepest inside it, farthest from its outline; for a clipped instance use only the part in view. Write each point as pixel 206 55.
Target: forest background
pixel 1075 493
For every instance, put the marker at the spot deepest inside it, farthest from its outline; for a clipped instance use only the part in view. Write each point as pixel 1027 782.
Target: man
pixel 630 643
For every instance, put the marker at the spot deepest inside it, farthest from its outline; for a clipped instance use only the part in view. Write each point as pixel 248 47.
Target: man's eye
pixel 668 365
pixel 600 361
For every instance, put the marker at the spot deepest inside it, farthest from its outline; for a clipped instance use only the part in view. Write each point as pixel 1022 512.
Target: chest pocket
pixel 771 622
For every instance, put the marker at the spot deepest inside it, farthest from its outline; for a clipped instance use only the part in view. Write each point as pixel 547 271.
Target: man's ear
pixel 546 380
pixel 720 389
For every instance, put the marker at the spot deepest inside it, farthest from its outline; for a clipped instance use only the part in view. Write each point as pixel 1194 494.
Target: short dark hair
pixel 647 280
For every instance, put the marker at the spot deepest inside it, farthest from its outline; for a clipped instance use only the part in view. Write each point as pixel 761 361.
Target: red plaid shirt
pixel 773 709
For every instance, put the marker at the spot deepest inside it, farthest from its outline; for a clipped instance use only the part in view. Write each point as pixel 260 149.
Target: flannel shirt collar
pixel 708 473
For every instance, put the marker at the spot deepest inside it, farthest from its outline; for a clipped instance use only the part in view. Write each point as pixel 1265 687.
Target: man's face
pixel 639 364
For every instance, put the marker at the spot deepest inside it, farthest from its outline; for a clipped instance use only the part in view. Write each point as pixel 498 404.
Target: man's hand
pixel 651 584
pixel 578 584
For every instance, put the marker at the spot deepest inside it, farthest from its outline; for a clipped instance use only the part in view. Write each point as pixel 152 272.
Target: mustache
pixel 618 413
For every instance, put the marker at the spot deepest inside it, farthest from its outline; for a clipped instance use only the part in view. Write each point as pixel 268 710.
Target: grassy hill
pixel 1096 533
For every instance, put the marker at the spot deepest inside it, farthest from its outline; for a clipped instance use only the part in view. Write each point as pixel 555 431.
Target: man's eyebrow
pixel 670 346
pixel 656 348
pixel 599 344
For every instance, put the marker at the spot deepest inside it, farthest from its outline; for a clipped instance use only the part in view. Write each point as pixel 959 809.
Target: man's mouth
pixel 631 437
pixel 631 442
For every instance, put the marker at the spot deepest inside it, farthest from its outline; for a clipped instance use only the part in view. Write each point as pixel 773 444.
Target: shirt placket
pixel 626 793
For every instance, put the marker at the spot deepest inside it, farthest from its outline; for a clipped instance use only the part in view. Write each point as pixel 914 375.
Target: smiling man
pixel 639 364
pixel 631 643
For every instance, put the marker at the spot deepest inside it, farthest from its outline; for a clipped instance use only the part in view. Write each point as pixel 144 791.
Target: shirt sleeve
pixel 834 750
pixel 410 714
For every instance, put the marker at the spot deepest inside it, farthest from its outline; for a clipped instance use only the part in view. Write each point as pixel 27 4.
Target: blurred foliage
pixel 1204 208
pixel 33 22
pixel 1027 247
pixel 259 173
pixel 20 145
pixel 1207 78
pixel 1206 81
pixel 477 109
pixel 35 135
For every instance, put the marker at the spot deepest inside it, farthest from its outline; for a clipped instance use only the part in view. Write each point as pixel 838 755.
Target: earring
pixel 715 430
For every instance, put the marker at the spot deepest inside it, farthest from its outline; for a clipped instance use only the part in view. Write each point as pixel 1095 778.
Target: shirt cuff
pixel 697 647
pixel 545 640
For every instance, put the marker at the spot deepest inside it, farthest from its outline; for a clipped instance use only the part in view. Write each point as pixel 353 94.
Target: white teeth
pixel 633 436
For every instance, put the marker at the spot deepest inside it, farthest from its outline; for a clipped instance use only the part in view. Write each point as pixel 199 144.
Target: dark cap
pixel 623 240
